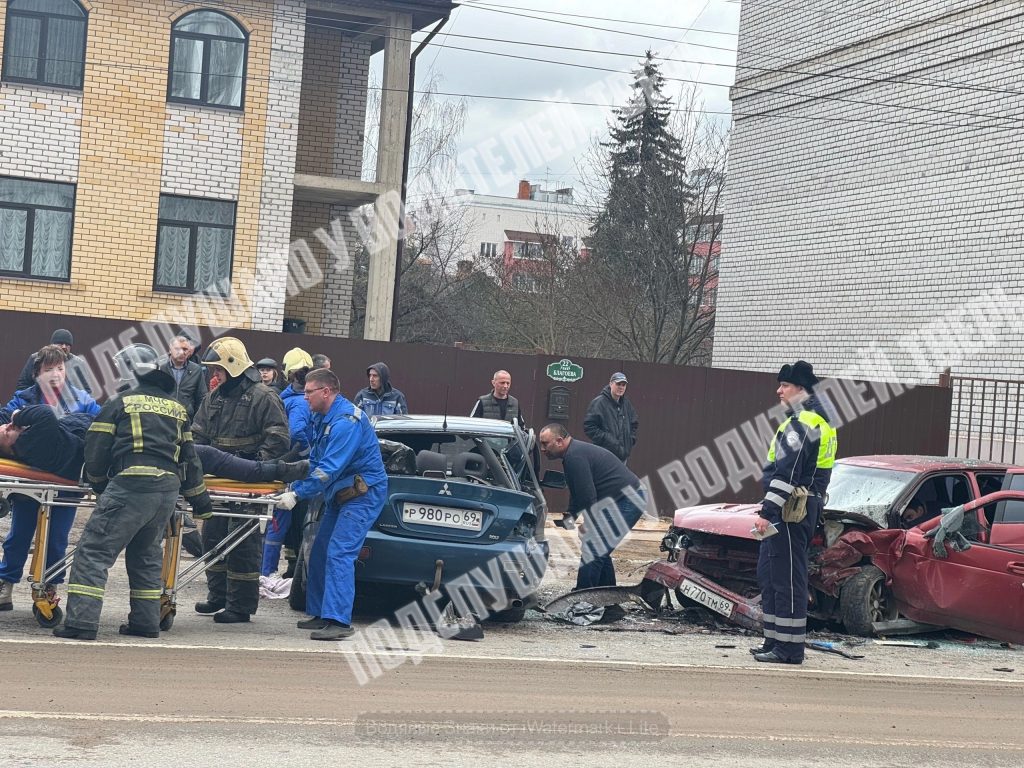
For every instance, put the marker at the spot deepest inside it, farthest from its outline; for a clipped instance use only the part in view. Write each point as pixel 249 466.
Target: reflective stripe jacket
pixel 246 420
pixel 802 453
pixel 144 432
pixel 344 445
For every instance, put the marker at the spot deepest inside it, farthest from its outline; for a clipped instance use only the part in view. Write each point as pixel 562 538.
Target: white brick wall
pixel 279 164
pixel 40 132
pixel 351 115
pixel 862 212
pixel 202 152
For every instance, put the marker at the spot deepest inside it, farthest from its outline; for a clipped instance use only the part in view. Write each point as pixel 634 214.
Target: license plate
pixel 708 599
pixel 443 517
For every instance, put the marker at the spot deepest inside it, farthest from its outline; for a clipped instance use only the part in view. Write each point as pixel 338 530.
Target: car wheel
pixel 297 593
pixel 864 599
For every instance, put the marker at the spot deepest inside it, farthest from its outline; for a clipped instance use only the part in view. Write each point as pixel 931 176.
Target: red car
pixel 871 563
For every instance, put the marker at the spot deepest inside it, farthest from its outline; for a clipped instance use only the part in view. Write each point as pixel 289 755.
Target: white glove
pixel 284 500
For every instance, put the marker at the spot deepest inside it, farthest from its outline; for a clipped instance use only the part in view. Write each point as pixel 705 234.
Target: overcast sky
pixel 506 140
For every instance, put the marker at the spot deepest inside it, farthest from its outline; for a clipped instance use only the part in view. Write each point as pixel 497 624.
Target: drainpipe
pixel 405 171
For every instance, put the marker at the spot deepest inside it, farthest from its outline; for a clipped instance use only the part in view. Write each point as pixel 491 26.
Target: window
pixel 208 56
pixel 1011 511
pixel 195 240
pixel 35 228
pixel 44 42
pixel 488 250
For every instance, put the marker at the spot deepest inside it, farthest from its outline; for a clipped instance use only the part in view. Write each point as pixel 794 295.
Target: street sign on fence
pixel 565 370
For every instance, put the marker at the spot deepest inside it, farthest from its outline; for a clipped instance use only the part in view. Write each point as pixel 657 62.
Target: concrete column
pixel 390 158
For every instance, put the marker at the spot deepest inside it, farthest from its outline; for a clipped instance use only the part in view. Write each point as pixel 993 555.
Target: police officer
pixel 348 470
pixel 801 456
pixel 244 417
pixel 134 452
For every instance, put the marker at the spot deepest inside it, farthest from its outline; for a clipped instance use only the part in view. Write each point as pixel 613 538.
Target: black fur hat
pixel 800 373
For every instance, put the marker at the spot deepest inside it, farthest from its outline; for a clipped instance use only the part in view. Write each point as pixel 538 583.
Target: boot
pixel 314 623
pixel 333 631
pixel 283 471
pixel 128 629
pixel 74 633
pixel 6 596
pixel 192 542
pixel 210 606
pixel 230 617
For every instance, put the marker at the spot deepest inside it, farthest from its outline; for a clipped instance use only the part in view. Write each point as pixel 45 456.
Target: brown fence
pixel 681 409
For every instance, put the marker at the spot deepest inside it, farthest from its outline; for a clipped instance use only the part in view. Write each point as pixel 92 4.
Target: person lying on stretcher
pixel 36 437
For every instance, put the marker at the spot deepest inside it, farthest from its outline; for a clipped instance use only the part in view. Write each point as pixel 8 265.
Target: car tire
pixel 297 593
pixel 864 599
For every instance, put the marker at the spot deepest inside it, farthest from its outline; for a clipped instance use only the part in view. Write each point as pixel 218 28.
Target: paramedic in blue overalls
pixel 347 468
pixel 801 456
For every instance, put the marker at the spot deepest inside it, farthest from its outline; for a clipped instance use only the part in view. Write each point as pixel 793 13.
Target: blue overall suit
pixel 344 445
pixel 802 454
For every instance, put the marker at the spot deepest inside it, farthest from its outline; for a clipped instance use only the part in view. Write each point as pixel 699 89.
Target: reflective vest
pixel 827 440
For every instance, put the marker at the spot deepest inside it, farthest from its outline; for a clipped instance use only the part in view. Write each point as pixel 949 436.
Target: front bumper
pixel 746 611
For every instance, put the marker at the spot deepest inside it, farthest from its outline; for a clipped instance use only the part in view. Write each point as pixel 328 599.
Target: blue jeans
pixel 604 530
pixel 331 584
pixel 23 528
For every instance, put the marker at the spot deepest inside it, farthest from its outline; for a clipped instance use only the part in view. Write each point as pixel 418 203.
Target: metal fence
pixel 985 418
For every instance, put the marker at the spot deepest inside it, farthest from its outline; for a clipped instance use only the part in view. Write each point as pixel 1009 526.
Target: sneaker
pixel 210 606
pixel 314 623
pixel 74 633
pixel 290 472
pixel 230 617
pixel 333 631
pixel 128 629
pixel 6 596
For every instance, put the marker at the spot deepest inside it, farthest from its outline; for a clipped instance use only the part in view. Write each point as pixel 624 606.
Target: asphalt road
pixel 113 704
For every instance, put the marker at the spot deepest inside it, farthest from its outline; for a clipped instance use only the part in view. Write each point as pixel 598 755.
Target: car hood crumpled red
pixel 721 519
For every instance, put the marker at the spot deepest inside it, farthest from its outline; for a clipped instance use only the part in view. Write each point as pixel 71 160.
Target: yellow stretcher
pixel 230 498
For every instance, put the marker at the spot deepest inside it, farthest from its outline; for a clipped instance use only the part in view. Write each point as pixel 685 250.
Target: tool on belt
pixel 354 491
pixel 795 508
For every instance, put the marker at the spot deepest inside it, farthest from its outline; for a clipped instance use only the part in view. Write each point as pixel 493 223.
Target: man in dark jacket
pixel 380 398
pixel 77 368
pixel 498 403
pixel 138 456
pixel 611 420
pixel 245 417
pixel 189 380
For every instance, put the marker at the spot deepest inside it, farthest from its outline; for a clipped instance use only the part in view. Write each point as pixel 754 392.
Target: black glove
pixel 98 488
pixel 202 507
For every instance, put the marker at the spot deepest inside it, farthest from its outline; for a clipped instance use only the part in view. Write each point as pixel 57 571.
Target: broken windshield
pixel 866 490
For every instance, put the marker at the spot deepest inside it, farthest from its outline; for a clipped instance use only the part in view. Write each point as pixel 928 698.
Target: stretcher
pixel 230 499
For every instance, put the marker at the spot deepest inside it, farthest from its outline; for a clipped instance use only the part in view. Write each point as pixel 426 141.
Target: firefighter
pixel 244 417
pixel 800 459
pixel 134 452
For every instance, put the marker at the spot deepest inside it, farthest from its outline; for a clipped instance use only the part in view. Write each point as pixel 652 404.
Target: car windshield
pixel 866 491
pixel 465 456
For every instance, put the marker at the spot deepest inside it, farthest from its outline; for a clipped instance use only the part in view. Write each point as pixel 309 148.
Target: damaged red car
pixel 904 539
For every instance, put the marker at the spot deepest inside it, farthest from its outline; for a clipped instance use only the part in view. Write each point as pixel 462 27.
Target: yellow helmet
pixel 228 353
pixel 296 358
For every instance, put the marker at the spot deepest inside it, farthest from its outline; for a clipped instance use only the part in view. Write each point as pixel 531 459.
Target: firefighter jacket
pixel 802 454
pixel 243 417
pixel 144 433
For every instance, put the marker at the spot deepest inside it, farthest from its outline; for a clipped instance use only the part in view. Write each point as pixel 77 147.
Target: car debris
pixel 824 647
pixel 908 643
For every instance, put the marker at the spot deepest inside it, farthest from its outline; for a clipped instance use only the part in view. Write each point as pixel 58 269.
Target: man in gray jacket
pixel 611 420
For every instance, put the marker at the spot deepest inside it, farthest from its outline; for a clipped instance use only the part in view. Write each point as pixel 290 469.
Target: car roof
pixel 912 463
pixel 457 424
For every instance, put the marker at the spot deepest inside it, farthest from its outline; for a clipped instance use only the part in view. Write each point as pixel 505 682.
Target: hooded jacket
pixel 611 424
pixel 387 402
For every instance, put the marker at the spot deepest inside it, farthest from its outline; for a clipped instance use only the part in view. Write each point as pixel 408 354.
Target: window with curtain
pixel 194 245
pixel 208 55
pixel 44 42
pixel 36 220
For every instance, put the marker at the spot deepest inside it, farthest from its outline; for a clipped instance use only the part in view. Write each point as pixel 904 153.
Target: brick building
pixel 154 154
pixel 874 186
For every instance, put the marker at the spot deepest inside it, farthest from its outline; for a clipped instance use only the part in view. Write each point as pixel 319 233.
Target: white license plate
pixel 700 595
pixel 443 517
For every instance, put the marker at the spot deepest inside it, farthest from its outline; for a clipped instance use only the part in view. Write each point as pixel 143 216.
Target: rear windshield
pixel 866 490
pixel 461 456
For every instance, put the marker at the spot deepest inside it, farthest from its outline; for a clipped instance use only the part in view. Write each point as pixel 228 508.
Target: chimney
pixel 524 190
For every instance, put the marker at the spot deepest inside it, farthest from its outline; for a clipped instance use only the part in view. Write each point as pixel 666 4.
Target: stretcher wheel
pixel 56 617
pixel 167 622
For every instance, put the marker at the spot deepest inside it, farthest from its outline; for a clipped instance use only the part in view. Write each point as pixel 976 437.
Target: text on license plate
pixel 445 517
pixel 700 595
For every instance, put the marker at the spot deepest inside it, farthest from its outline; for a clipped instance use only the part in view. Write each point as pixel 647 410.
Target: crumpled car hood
pixel 720 519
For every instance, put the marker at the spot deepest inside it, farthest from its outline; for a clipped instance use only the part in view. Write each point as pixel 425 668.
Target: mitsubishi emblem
pixel 444 491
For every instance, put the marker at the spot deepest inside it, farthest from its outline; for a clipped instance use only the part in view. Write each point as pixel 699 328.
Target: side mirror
pixel 553 479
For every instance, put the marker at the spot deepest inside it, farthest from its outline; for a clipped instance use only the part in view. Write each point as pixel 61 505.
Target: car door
pixel 980 590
